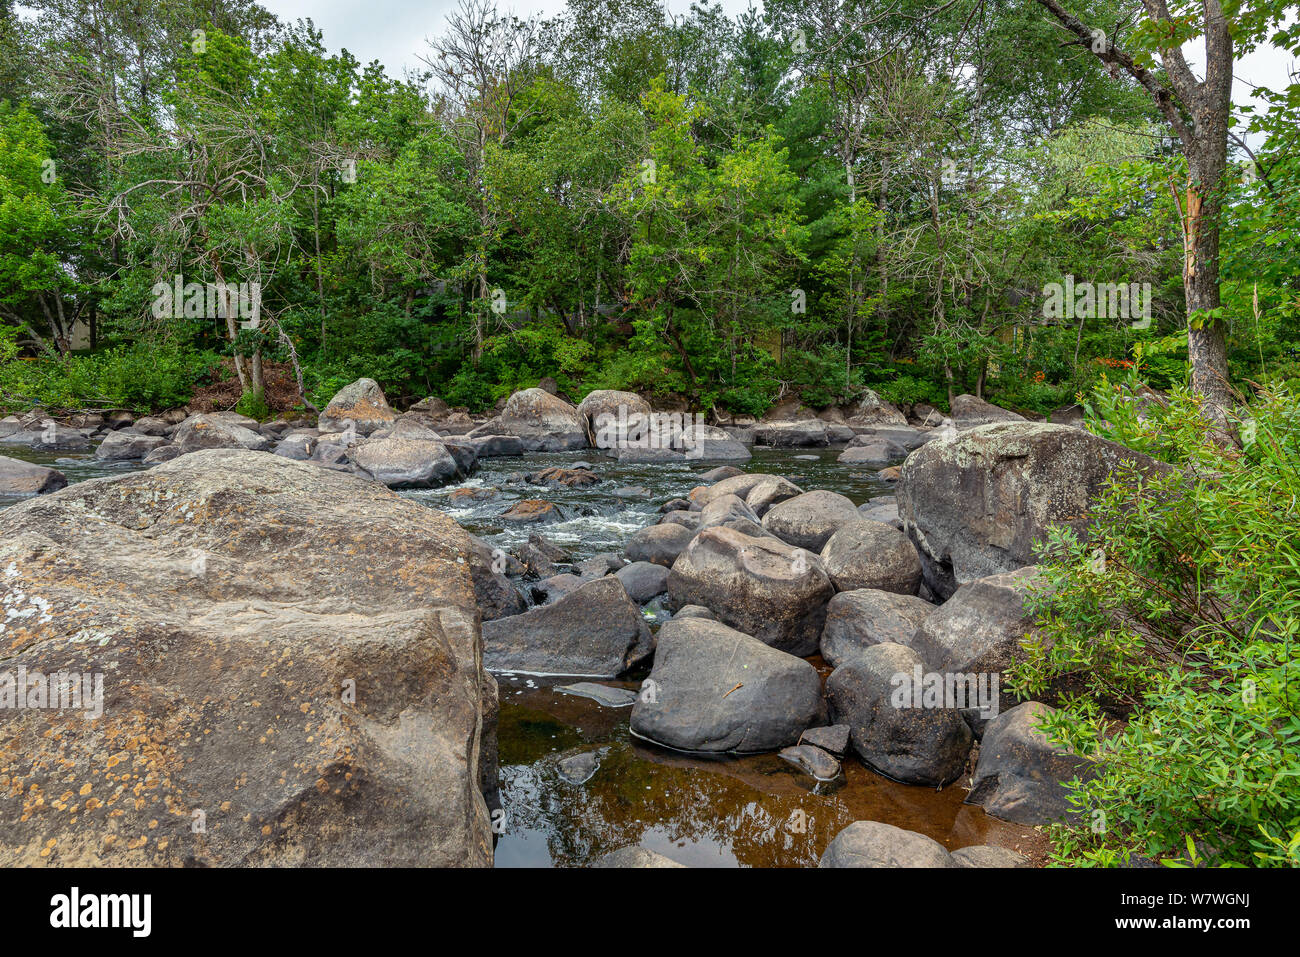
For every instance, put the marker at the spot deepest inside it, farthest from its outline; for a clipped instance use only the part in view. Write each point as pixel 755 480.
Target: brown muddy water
pixel 751 811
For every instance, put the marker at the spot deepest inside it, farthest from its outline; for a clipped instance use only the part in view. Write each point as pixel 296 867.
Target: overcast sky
pixel 394 32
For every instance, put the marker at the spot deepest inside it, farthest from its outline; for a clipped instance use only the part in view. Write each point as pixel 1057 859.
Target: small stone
pixel 813 761
pixel 833 738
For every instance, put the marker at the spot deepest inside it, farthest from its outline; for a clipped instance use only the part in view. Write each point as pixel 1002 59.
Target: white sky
pixel 394 32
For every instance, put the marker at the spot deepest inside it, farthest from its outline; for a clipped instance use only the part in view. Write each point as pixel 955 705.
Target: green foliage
pixel 253 404
pixel 1181 613
pixel 139 377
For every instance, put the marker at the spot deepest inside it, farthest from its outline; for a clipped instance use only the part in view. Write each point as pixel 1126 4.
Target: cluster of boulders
pixel 431 444
pixel 932 588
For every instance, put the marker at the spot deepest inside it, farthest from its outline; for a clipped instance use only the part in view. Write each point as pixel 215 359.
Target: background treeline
pixel 825 197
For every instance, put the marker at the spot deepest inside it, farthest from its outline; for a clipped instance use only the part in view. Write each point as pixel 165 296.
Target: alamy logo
pixel 24 690
pixel 947 690
pixel 1106 300
pixel 213 300
pixel 650 430
pixel 103 910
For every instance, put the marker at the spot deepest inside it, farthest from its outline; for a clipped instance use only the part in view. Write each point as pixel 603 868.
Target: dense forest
pixel 825 197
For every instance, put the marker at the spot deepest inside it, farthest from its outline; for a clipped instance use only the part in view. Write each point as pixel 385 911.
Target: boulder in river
pixel 810 519
pixel 988 855
pixel 207 431
pixel 613 403
pixel 868 554
pixel 660 544
pixel 715 689
pixel 126 446
pixel 915 745
pixel 877 844
pixel 858 619
pixel 595 631
pixel 288 655
pixel 532 511
pixel 543 422
pixel 405 462
pixel 1021 773
pixel 980 503
pixel 812 761
pixel 969 412
pixel 765 588
pixel 24 478
pixel 360 404
pixel 980 630
pixel 872 411
pixel 643 580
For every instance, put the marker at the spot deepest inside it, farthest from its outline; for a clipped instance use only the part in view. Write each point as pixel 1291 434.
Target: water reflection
pixel 755 811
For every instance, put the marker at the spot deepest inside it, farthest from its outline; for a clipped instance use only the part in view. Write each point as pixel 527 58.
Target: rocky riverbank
pixel 302 660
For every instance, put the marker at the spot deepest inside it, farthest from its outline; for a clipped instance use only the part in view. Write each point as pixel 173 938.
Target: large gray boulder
pixel 727 508
pixel 915 745
pixel 124 446
pixel 543 422
pixel 969 412
pixel 810 519
pixel 737 485
pixel 870 554
pixel 1021 774
pixel 660 544
pixel 23 478
pixel 643 580
pixel 206 431
pixel 362 404
pixel 876 844
pixel 858 619
pixel 615 406
pixel 802 434
pixel 715 689
pixel 981 629
pixel 595 631
pixel 46 435
pixel 290 658
pixel 980 503
pixel 871 410
pixel 765 588
pixel 495 593
pixel 405 462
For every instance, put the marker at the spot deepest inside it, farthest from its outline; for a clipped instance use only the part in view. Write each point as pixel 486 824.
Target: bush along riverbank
pixel 1083 635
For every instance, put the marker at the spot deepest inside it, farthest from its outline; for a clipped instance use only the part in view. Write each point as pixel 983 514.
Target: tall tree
pixel 1199 111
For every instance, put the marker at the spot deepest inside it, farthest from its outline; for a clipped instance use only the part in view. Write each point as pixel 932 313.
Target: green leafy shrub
pixel 1181 613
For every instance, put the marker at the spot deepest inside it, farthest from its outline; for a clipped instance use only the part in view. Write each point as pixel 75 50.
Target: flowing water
pixel 753 811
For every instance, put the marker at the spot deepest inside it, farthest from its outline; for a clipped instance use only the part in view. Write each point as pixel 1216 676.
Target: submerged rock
pixel 812 760
pixel 635 857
